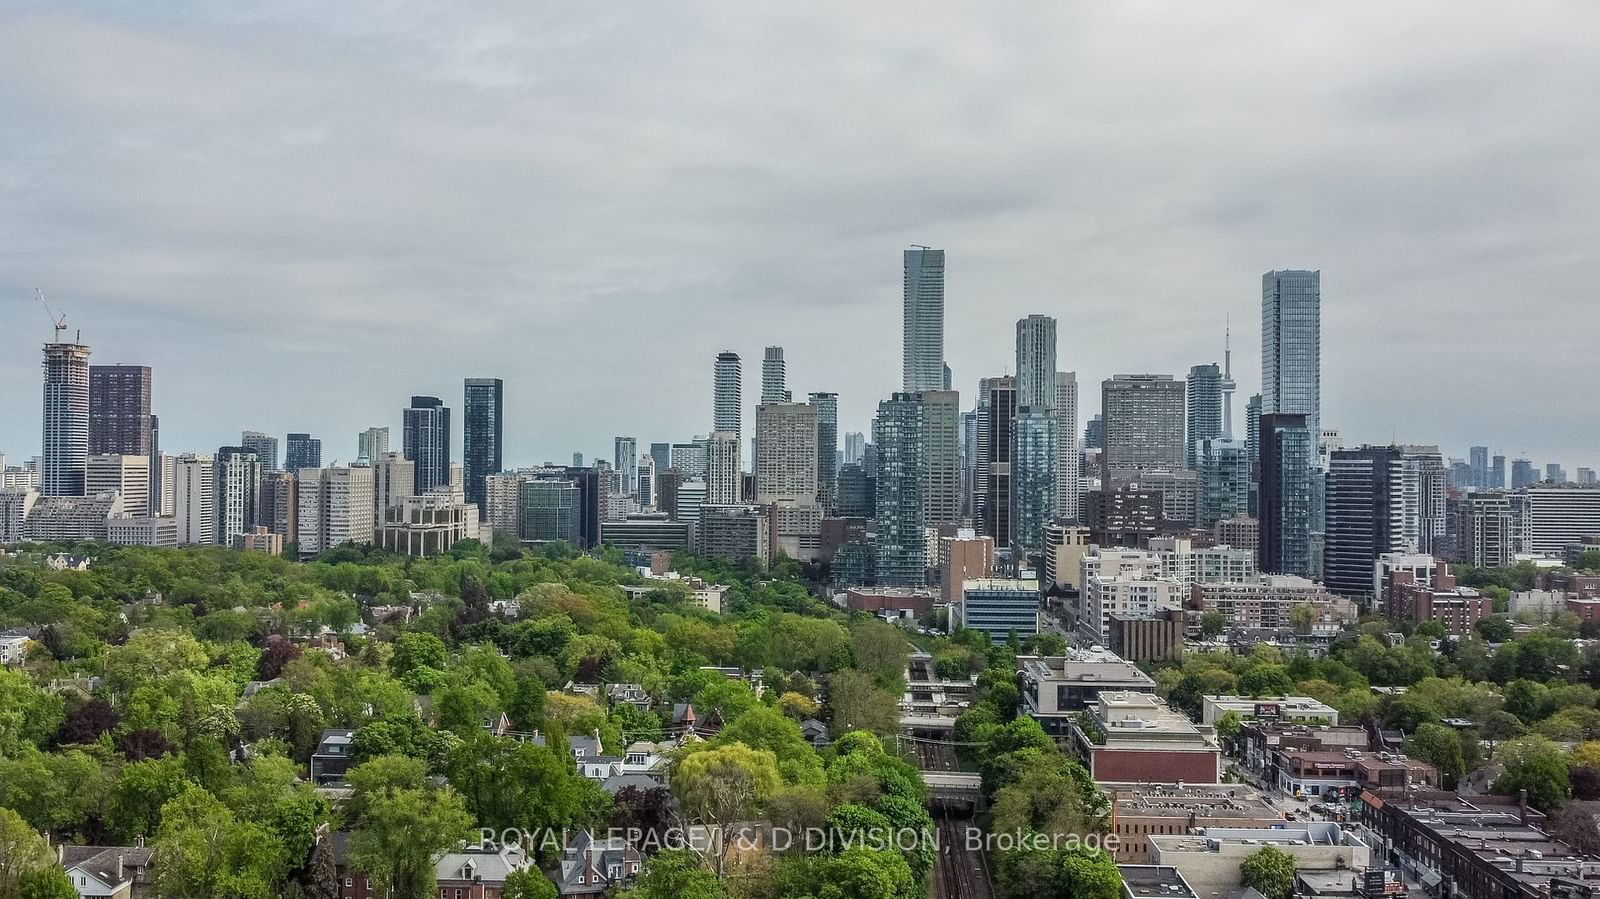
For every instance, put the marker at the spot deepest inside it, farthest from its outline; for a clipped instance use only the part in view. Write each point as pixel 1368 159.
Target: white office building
pixel 335 508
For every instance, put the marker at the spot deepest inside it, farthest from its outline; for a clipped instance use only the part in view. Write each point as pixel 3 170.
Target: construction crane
pixel 58 321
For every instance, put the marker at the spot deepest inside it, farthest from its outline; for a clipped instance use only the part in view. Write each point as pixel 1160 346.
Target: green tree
pixel 879 649
pixel 29 716
pixel 1058 874
pixel 1269 871
pixel 401 834
pixel 1537 765
pixel 859 703
pixel 508 784
pixel 764 727
pixel 676 874
pixel 1266 680
pixel 46 883
pixel 529 883
pixel 202 851
pixel 22 850
pixel 1439 746
pixel 1212 624
pixel 141 792
pixel 1229 725
pixel 1494 630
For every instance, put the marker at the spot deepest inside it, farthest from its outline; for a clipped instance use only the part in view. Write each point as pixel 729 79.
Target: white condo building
pixel 335 508
pixel 194 498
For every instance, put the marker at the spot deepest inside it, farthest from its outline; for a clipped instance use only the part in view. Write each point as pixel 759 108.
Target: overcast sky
pixel 301 213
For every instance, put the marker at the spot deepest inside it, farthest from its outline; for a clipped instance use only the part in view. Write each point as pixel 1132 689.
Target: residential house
pixel 331 761
pixel 110 872
pixel 591 866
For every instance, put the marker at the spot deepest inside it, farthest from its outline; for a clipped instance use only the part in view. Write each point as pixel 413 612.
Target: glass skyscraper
pixel 302 451
pixel 901 547
pixel 1287 451
pixel 922 355
pixel 482 436
pixel 1205 409
pixel 427 441
pixel 726 392
pixel 1291 345
pixel 1033 481
pixel 827 449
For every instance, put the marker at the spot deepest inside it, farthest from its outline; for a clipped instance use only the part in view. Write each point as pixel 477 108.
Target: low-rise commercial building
pixel 1483 847
pixel 1141 811
pixel 891 602
pixel 143 531
pixel 1001 607
pixel 1343 775
pixel 1136 737
pixel 1210 859
pixel 1057 688
pixel 1296 709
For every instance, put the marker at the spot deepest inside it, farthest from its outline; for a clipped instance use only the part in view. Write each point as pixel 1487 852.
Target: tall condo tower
pixel 923 338
pixel 726 394
pixel 482 435
pixel 774 377
pixel 66 417
pixel 1291 345
pixel 427 441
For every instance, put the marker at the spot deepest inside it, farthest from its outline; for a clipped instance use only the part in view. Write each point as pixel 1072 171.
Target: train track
pixel 935 756
pixel 961 873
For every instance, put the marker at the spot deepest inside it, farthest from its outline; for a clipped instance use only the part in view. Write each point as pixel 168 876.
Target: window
pixel 348 881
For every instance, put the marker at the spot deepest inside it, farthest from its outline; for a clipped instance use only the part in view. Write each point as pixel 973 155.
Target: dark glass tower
pixel 482 435
pixel 427 441
pixel 1287 451
pixel 302 451
pixel 119 410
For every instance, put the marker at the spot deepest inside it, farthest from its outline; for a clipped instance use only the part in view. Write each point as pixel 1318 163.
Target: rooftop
pixel 1093 664
pixel 1154 880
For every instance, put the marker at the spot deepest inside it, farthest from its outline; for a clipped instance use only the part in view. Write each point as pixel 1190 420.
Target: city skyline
pixel 1410 217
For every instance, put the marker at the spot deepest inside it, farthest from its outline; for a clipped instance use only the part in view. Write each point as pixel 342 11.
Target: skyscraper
pixel 1205 409
pixel 773 377
pixel 827 405
pixel 1036 362
pixel 994 453
pixel 194 498
pixel 1034 485
pixel 1069 455
pixel 1094 432
pixel 66 419
pixel 237 481
pixel 625 457
pixel 123 474
pixel 786 469
pixel 726 394
pixel 302 451
pixel 1478 465
pixel 1287 450
pixel 371 443
pixel 1252 428
pixel 1380 499
pixel 1554 473
pixel 855 446
pixel 1224 481
pixel 1144 421
pixel 482 434
pixel 1291 345
pixel 1523 473
pixel 265 448
pixel 661 457
pixel 1497 473
pixel 119 410
pixel 723 472
pixel 922 355
pixel 427 441
pixel 940 455
pixel 900 545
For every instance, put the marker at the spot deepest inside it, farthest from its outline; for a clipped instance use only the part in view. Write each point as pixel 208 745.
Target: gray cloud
pixel 302 213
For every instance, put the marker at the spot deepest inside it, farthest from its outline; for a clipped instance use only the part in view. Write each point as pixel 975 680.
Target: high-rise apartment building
pixel 1497 473
pixel 371 443
pixel 727 394
pixel 66 419
pixel 335 508
pixel 551 511
pixel 1523 473
pixel 691 458
pixel 724 475
pixel 119 412
pixel 194 499
pixel 1554 473
pixel 855 446
pixel 1094 432
pixel 1252 427
pixel 1204 389
pixel 279 509
pixel 394 477
pixel 126 475
pixel 1069 454
pixel 827 406
pixel 1291 345
pixel 1287 452
pixel 1035 448
pixel 922 353
pixel 482 435
pixel 264 446
pixel 1224 480
pixel 995 446
pixel 427 441
pixel 1478 466
pixel 661 456
pixel 1144 421
pixel 786 468
pixel 941 456
pixel 1036 362
pixel 774 377
pixel 625 458
pixel 302 451
pixel 237 481
pixel 901 503
pixel 1375 505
